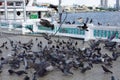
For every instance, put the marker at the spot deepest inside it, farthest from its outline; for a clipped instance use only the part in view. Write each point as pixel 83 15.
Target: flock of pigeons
pixel 57 54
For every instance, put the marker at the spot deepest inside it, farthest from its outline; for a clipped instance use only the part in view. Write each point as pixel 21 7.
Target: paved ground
pixel 95 74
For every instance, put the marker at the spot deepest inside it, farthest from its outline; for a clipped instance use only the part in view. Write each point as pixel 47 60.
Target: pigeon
pixel 20 72
pixel 84 26
pixel 112 78
pixel 46 23
pixel 91 21
pixel 11 71
pixel 105 69
pixel 85 69
pixel 26 78
pixel 53 6
pixel 16 72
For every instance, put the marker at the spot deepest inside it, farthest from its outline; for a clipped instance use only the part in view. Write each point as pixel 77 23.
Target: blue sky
pixel 80 2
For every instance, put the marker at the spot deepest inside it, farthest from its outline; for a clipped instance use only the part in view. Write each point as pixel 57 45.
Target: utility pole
pixel 6 10
pixel 60 11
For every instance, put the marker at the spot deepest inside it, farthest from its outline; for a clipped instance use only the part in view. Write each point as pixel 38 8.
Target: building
pixel 104 3
pixel 101 3
pixel 118 4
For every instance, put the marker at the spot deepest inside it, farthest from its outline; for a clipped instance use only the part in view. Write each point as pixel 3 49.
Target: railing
pixel 102 32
